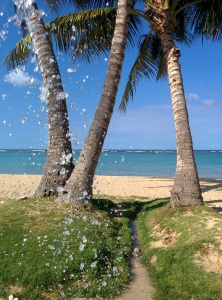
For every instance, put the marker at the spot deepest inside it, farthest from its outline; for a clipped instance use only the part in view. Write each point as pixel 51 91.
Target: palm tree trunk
pixel 59 164
pixel 79 186
pixel 186 189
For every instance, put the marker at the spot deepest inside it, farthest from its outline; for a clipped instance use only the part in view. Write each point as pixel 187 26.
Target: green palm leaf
pixel 89 34
pixel 206 19
pixel 20 54
pixel 181 34
pixel 86 35
pixel 149 60
pixel 135 29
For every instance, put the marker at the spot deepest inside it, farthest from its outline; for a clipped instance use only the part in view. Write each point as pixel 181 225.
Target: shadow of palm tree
pixel 128 209
pixel 215 184
pixel 209 185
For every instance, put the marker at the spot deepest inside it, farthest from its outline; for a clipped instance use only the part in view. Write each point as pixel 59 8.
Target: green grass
pixel 53 251
pixel 170 239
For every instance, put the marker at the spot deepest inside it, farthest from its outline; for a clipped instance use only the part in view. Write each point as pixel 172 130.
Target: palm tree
pixel 78 189
pixel 167 20
pixel 59 164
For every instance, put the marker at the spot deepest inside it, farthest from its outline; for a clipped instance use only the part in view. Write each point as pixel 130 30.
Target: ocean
pixel 154 163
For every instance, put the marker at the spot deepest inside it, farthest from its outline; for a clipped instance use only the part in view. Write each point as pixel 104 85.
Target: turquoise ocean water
pixel 155 163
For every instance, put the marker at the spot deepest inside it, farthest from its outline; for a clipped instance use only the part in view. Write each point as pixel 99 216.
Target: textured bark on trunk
pixel 59 164
pixel 78 189
pixel 186 189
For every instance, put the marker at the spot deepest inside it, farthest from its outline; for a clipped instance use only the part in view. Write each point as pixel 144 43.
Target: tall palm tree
pixel 59 164
pixel 78 189
pixel 88 24
pixel 167 20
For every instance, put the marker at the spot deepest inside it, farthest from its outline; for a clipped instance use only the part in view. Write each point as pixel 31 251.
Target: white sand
pixel 16 186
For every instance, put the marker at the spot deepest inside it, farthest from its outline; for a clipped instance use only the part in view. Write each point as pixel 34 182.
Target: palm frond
pixel 86 34
pixel 182 35
pixel 158 56
pixel 148 62
pixel 206 19
pixel 135 29
pixel 19 55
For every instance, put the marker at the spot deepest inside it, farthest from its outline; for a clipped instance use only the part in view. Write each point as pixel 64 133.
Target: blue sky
pixel 148 122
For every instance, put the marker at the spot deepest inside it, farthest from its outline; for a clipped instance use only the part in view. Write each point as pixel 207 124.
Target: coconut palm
pixel 78 189
pixel 168 21
pixel 88 24
pixel 59 164
pixel 101 27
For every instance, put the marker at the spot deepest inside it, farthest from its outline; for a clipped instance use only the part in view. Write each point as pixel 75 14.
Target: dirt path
pixel 140 287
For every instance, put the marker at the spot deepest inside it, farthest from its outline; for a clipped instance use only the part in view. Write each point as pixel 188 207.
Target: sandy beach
pixel 16 186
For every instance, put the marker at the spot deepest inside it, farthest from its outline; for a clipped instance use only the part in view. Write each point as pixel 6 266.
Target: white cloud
pixel 208 102
pixel 20 78
pixel 192 97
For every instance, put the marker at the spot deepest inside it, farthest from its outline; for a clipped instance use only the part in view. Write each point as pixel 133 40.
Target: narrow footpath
pixel 140 288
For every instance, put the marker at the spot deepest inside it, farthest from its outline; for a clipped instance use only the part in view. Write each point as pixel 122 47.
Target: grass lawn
pixel 54 251
pixel 182 249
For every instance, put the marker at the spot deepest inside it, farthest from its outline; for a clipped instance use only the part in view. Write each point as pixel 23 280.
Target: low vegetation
pixel 182 249
pixel 50 250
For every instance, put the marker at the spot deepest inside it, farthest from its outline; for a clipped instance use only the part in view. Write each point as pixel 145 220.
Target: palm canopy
pixel 86 35
pixel 206 19
pixel 150 61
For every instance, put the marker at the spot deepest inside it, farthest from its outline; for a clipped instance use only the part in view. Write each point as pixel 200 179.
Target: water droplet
pixel 93 264
pixel 81 247
pixel 84 217
pixel 62 95
pixel 84 239
pixel 69 70
pixel 23 120
pixel 65 233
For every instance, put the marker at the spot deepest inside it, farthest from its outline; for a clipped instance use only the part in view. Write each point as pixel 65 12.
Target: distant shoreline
pixel 130 162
